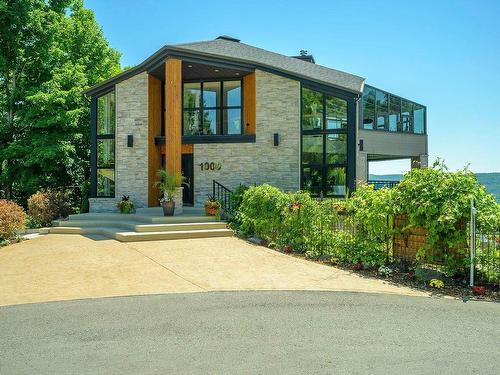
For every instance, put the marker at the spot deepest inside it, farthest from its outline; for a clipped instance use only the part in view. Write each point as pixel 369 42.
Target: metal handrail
pixel 222 194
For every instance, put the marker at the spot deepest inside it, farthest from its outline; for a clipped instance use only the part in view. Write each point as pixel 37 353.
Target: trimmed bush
pixel 12 219
pixel 47 205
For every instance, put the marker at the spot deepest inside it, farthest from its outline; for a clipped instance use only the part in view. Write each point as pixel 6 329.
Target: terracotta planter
pixel 210 211
pixel 168 208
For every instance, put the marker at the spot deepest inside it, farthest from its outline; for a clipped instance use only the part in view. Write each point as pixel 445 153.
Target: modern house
pixel 227 113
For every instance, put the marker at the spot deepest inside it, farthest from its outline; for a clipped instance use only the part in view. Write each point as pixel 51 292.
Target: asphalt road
pixel 252 333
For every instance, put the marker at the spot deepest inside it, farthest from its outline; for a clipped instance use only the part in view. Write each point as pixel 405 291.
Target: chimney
pixel 304 56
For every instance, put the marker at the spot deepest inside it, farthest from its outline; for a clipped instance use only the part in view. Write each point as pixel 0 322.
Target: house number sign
pixel 210 166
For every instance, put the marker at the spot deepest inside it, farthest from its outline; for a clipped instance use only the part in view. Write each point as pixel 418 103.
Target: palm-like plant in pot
pixel 168 183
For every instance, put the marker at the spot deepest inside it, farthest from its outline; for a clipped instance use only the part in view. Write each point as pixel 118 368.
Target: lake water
pixel 490 180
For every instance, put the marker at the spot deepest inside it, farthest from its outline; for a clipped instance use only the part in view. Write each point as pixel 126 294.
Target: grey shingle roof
pixel 237 52
pixel 242 52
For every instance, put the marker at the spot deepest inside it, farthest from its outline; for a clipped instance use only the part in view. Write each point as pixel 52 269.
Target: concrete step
pixel 116 217
pixel 140 227
pixel 130 225
pixel 173 235
pixel 158 211
pixel 180 227
pixel 120 235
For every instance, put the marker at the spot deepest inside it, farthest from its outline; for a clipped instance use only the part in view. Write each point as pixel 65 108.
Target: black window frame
pixel 349 131
pixel 94 141
pixel 220 109
pixel 399 125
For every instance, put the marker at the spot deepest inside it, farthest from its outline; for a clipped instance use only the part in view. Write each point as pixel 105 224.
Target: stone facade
pixel 277 111
pixel 131 163
pixel 102 204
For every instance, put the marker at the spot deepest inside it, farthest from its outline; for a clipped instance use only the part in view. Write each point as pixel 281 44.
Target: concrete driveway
pixel 65 267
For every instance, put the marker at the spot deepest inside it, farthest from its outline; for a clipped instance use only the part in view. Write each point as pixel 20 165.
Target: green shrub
pixel 261 211
pixel 31 223
pixel 317 228
pixel 352 248
pixel 236 199
pixel 297 221
pixel 439 201
pixel 47 205
pixel 12 219
pixel 372 210
pixel 359 229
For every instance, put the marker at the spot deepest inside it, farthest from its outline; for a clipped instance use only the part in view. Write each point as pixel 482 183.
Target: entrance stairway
pixel 147 224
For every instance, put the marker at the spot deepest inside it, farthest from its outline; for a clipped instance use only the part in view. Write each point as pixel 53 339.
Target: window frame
pixel 219 109
pixel 324 167
pixel 399 125
pixel 109 136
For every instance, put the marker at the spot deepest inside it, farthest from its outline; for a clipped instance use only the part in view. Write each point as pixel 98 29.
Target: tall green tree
pixel 50 52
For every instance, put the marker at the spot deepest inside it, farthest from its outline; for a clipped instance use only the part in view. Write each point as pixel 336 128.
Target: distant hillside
pixel 490 180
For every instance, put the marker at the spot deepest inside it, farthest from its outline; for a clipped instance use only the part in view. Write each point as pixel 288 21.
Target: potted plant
pixel 168 184
pixel 211 206
pixel 125 205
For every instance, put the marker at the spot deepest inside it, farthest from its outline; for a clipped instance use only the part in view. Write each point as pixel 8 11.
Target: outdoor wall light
pixel 361 145
pixel 130 140
pixel 276 139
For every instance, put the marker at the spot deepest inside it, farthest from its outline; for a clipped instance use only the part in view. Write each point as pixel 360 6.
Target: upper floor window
pixel 106 123
pixel 212 108
pixel 324 143
pixel 384 111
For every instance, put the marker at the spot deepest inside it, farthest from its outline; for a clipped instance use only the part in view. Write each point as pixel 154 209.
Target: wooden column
pixel 249 104
pixel 173 114
pixel 154 129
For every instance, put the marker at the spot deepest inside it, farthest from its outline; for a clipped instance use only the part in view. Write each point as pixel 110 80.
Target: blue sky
pixel 444 54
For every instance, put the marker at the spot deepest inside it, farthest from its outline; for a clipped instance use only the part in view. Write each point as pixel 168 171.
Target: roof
pixel 230 50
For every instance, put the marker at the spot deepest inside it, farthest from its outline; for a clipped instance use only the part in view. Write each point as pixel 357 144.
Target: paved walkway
pixel 65 267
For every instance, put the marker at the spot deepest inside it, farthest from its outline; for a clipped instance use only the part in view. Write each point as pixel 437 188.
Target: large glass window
pixel 312 109
pixel 369 108
pixel 384 111
pixel 394 113
pixel 336 113
pixel 106 114
pixel 324 143
pixel 418 119
pixel 106 124
pixel 407 116
pixel 212 108
pixel 312 149
pixel 336 148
